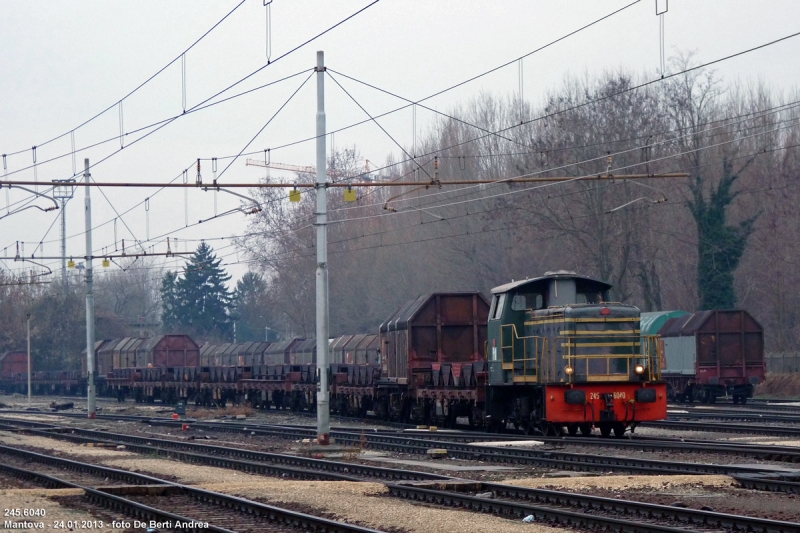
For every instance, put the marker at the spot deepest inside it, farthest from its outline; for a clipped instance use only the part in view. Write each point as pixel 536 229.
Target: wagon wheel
pixel 586 429
pixel 572 429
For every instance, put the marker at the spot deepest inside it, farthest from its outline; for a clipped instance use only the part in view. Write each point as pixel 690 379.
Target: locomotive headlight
pixel 639 369
pixel 569 370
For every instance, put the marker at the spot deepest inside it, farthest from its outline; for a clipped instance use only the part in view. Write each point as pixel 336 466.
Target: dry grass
pixel 231 410
pixel 780 385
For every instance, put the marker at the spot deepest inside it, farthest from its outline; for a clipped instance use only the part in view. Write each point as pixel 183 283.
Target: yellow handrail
pixel 645 348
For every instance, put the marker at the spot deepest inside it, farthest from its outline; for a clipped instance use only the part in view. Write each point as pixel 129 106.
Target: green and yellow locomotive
pixel 560 355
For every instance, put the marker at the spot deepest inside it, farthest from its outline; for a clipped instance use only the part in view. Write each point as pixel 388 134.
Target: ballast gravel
pixel 623 482
pixel 185 473
pixel 60 446
pixel 367 504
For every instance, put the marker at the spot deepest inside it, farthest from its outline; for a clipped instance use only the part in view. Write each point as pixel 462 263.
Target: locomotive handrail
pixel 541 365
pixel 646 350
pixel 649 352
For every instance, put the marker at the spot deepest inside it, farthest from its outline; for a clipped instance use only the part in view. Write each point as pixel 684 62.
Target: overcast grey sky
pixel 63 62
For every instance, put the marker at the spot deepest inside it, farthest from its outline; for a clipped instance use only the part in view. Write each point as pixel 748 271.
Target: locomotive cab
pixel 527 320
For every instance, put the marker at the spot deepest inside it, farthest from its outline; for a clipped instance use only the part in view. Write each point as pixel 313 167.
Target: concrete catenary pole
pixel 90 392
pixel 29 359
pixel 323 396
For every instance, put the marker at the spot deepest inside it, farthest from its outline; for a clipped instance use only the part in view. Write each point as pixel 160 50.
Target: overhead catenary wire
pixel 667 157
pixel 603 156
pixel 726 122
pixel 596 100
pixel 168 121
pixel 241 80
pixel 263 127
pixel 214 165
pixel 148 80
pixel 383 245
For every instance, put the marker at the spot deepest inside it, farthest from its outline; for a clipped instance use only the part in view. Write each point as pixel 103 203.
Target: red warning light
pixel 605 311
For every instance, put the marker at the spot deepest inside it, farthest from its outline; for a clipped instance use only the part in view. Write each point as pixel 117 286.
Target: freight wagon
pixel 709 354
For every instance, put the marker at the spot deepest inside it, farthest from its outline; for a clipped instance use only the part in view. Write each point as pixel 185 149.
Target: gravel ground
pixel 186 473
pixel 681 456
pixel 717 493
pixel 56 447
pixel 366 504
pixel 702 435
pixel 622 482
pixel 763 441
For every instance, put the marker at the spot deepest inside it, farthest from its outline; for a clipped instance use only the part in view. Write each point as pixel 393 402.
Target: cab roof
pixel 583 283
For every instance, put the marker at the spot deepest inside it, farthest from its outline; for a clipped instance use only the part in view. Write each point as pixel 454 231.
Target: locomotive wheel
pixel 605 430
pixel 619 430
pixel 586 429
pixel 552 430
pixel 572 429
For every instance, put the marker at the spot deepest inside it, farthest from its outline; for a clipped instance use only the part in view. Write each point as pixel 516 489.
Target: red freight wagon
pixel 167 351
pixel 14 363
pixel 710 354
pixel 433 329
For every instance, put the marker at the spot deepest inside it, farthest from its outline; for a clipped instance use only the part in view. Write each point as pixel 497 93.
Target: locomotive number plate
pixel 617 395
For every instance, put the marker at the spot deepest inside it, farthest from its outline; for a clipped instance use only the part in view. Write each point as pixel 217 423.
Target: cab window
pixel 522 302
pixel 589 298
pixel 501 301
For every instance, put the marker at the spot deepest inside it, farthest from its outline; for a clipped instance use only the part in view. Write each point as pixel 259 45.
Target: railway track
pixel 222 513
pixel 741 429
pixel 770 482
pixel 250 461
pixel 682 414
pixel 553 459
pixel 226 513
pixel 767 408
pixel 567 509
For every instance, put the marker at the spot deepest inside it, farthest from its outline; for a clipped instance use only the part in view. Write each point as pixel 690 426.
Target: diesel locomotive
pixel 561 355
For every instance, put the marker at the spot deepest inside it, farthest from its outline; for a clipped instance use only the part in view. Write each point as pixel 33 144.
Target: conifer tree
pixel 253 320
pixel 199 301
pixel 170 302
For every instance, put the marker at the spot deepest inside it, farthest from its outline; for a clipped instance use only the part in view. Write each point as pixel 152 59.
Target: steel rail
pixel 790 454
pixel 641 509
pixel 548 458
pixel 777 431
pixel 732 415
pixel 772 483
pixel 224 500
pixel 418 445
pixel 247 460
pixel 104 499
pixel 551 516
pixel 734 407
